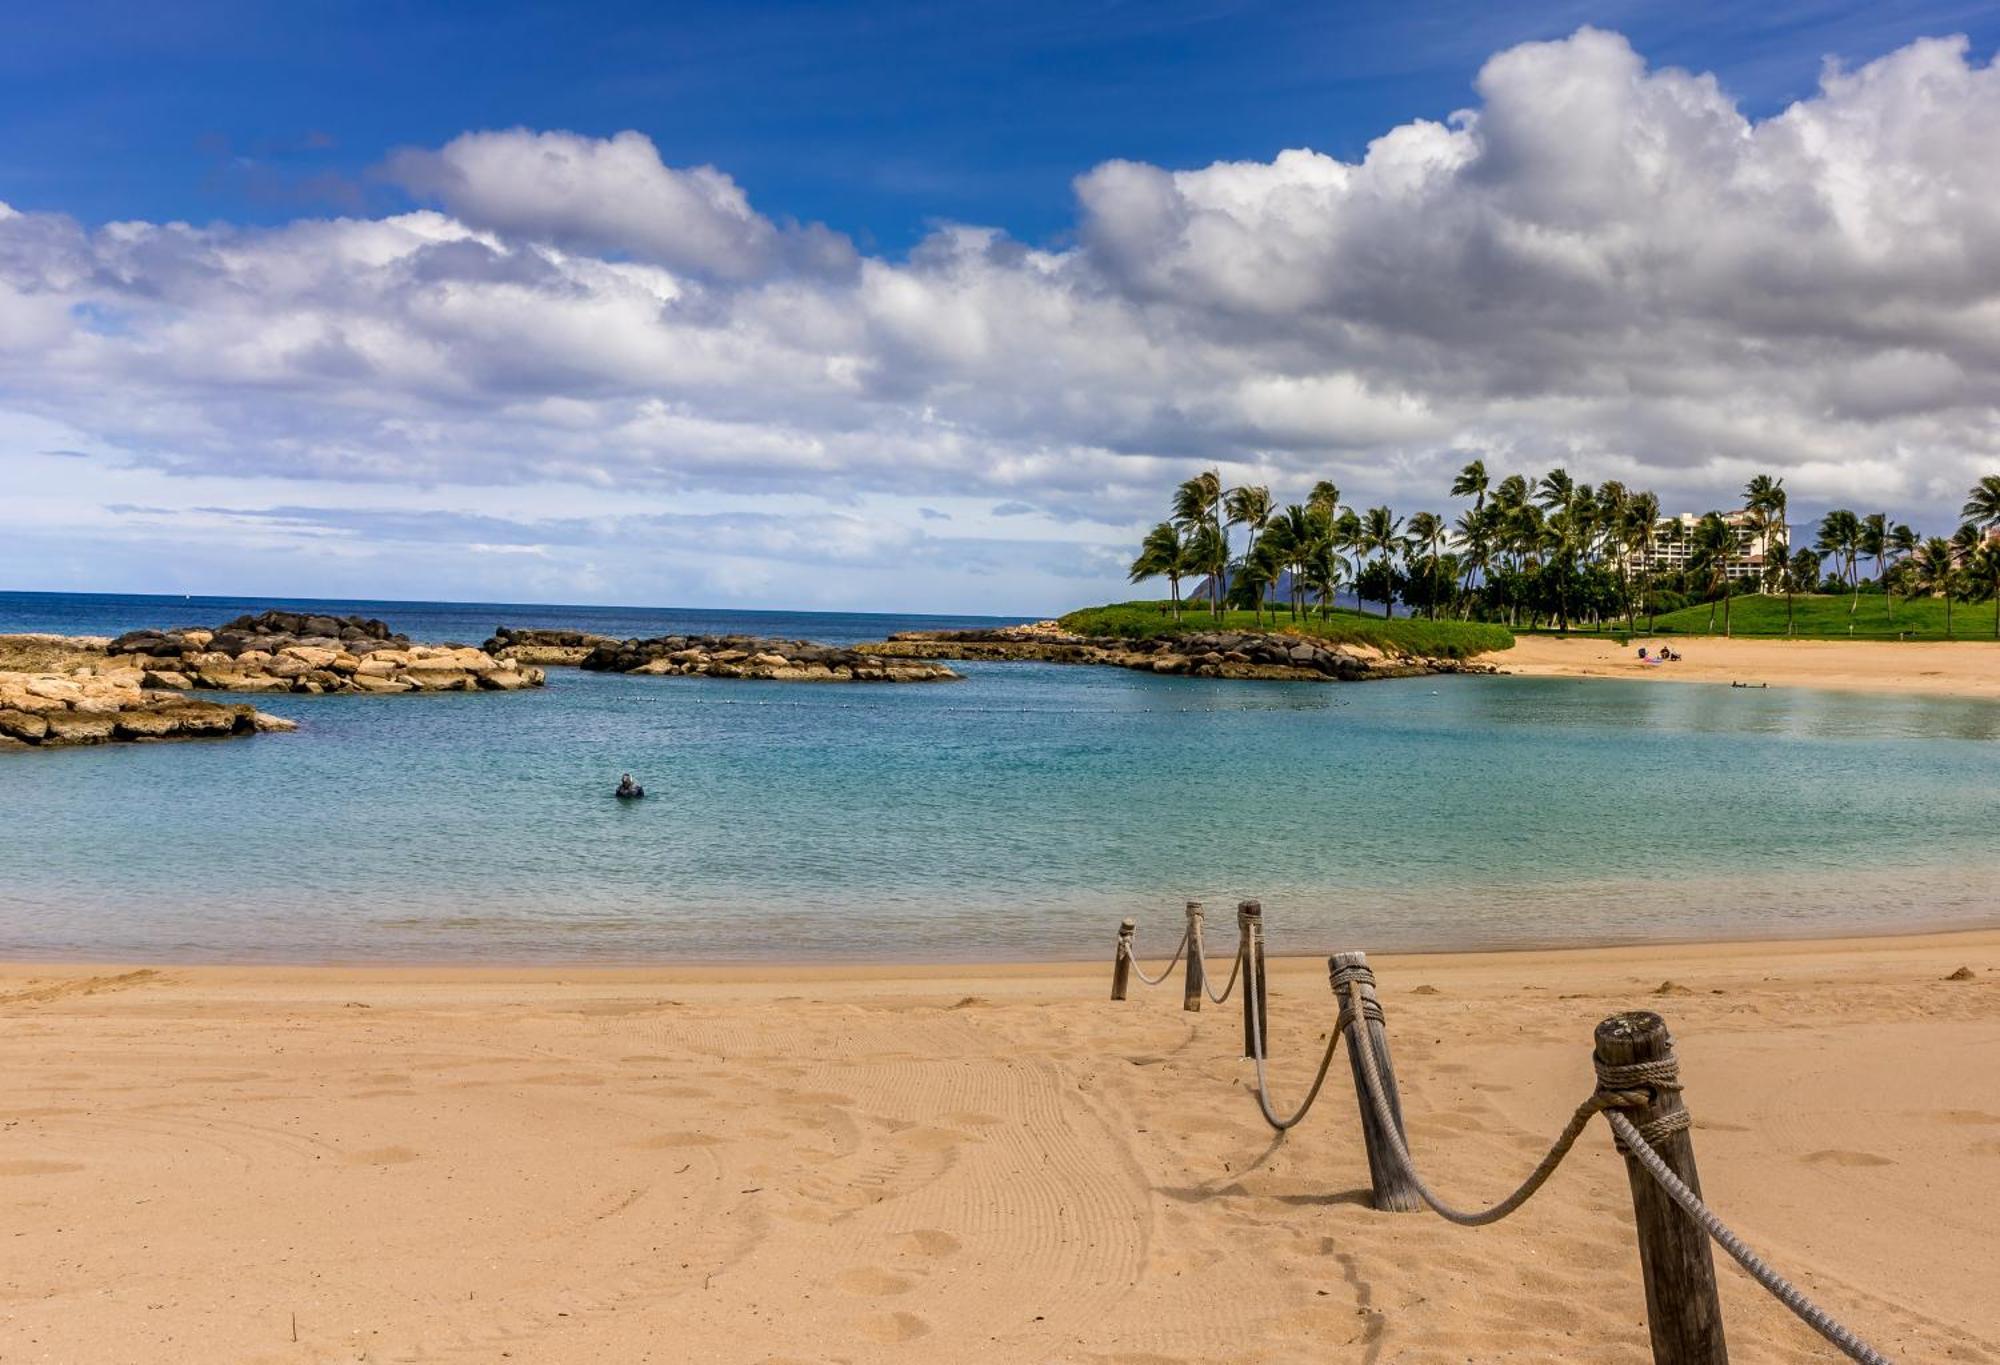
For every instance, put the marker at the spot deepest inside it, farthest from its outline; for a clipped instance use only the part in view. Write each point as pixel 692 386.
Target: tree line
pixel 1551 551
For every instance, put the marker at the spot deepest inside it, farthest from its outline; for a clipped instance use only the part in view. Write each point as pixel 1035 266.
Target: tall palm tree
pixel 1381 536
pixel 1427 532
pixel 1764 500
pixel 1248 506
pixel 1801 575
pixel 1642 540
pixel 1475 532
pixel 1324 498
pixel 1471 483
pixel 1292 534
pixel 1984 566
pixel 1162 554
pixel 1198 503
pixel 1982 502
pixel 1873 541
pixel 1937 573
pixel 1714 546
pixel 1325 566
pixel 1840 537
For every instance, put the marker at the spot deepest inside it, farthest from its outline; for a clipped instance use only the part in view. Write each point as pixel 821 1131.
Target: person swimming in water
pixel 628 790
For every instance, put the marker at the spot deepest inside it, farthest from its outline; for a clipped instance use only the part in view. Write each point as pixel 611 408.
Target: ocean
pixel 1016 815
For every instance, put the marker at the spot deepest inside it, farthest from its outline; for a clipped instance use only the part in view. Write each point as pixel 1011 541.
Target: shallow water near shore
pixel 1016 815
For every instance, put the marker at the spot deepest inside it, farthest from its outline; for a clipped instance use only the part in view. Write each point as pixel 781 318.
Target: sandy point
pixel 1959 668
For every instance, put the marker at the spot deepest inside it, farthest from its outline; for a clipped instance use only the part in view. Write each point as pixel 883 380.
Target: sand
pixel 1962 668
pixel 963 1164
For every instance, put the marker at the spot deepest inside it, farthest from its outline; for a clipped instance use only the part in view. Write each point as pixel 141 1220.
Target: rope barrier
pixel 1538 1177
pixel 1632 1139
pixel 1256 1007
pixel 1140 972
pixel 1235 968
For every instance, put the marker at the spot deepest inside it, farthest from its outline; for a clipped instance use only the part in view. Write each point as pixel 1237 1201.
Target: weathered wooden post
pixel 1634 1052
pixel 1256 1028
pixel 1390 1183
pixel 1191 987
pixel 1121 965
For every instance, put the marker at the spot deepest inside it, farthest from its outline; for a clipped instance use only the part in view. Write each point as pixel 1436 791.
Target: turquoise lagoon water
pixel 1018 814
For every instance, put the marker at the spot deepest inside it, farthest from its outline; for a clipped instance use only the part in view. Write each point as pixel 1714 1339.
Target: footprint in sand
pixel 1837 1157
pixel 890 1328
pixel 933 1242
pixel 38 1167
pixel 382 1156
pixel 873 1282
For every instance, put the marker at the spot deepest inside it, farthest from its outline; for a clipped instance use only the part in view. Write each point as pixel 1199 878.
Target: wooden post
pixel 1250 921
pixel 1390 1183
pixel 1121 965
pixel 1191 987
pixel 1682 1310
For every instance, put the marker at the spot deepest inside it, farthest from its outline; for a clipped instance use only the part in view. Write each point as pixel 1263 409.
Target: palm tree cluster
pixel 1548 550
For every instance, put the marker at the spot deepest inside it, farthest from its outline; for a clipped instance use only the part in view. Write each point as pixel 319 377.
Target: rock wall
pixel 1263 655
pixel 748 656
pixel 91 707
pixel 561 647
pixel 290 652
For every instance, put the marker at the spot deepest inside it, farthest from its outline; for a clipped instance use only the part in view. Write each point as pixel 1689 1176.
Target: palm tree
pixel 1198 503
pixel 1984 566
pixel 1937 573
pixel 1471 483
pixel 1874 542
pixel 1642 540
pixel 1324 566
pixel 1292 535
pixel 1475 537
pixel 1427 533
pixel 1982 502
pixel 1714 544
pixel 1162 554
pixel 1324 498
pixel 1248 506
pixel 1381 536
pixel 1840 537
pixel 1764 500
pixel 1801 575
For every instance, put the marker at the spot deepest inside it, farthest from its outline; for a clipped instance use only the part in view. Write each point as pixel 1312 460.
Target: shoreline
pixel 1965 669
pixel 987 1164
pixel 1220 939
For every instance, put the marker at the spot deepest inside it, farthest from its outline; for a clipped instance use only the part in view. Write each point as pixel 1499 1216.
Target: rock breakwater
pixel 749 656
pixel 1250 655
pixel 282 651
pixel 561 647
pixel 47 710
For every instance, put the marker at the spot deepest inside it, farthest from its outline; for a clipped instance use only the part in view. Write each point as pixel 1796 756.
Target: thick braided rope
pixel 1356 1015
pixel 1234 968
pixel 1631 1138
pixel 1140 972
pixel 1254 1002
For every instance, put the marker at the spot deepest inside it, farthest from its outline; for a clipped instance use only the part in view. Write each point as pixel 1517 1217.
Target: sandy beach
pixel 1961 668
pixel 991 1164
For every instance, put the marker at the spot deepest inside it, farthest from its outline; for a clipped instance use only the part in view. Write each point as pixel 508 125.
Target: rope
pixel 1140 972
pixel 1364 1048
pixel 1254 1002
pixel 1234 968
pixel 1631 1139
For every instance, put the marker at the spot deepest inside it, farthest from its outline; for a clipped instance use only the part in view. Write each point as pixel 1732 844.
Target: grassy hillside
pixel 1435 639
pixel 1827 618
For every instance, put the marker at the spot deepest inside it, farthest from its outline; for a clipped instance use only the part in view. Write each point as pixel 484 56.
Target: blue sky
pixel 962 287
pixel 875 118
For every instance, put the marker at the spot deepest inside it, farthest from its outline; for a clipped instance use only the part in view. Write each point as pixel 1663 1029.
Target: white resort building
pixel 1673 547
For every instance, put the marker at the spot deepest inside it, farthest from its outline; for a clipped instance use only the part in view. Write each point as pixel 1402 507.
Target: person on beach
pixel 628 789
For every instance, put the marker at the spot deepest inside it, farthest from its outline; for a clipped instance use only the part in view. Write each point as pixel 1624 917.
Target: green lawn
pixel 1435 639
pixel 1827 618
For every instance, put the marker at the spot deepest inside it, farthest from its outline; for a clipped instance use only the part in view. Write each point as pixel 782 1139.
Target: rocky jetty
pixel 563 647
pixel 45 710
pixel 749 656
pixel 1267 655
pixel 282 651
